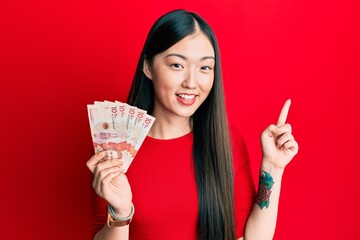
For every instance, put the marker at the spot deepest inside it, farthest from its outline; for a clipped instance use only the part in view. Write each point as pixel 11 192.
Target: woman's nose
pixel 190 79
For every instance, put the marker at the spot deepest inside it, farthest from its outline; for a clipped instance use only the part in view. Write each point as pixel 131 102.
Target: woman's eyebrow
pixel 185 58
pixel 208 57
pixel 176 55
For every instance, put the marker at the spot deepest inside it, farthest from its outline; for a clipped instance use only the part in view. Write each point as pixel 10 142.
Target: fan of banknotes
pixel 118 128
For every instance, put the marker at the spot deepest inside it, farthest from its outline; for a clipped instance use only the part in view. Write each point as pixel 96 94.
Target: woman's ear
pixel 147 69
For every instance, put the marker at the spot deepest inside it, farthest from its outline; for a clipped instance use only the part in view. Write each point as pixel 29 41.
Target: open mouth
pixel 186 96
pixel 186 99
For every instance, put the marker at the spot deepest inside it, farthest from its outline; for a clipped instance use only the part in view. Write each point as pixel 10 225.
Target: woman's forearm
pixel 262 220
pixel 115 233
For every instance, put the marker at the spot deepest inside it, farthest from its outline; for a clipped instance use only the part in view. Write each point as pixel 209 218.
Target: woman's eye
pixel 177 65
pixel 206 68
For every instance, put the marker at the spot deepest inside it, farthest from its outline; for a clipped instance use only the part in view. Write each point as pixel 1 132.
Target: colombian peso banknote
pixel 118 128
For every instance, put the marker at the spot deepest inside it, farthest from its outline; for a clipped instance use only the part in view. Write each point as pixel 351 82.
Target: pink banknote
pixel 118 128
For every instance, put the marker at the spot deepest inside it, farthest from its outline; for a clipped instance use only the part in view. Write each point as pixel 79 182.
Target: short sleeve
pixel 244 188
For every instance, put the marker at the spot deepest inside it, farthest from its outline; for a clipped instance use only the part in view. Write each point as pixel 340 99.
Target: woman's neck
pixel 169 127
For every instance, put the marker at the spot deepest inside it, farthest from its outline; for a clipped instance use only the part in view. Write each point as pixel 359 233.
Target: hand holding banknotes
pixel 117 131
pixel 110 182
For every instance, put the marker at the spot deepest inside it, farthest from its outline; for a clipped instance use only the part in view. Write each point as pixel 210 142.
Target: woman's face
pixel 183 76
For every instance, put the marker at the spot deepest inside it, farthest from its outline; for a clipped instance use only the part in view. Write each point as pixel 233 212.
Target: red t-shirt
pixel 164 190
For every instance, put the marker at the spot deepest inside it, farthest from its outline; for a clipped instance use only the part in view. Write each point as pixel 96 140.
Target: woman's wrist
pixel 269 165
pixel 116 221
pixel 124 212
pixel 272 169
pixel 121 217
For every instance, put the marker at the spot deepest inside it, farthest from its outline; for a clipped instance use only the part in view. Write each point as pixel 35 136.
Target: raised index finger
pixel 283 114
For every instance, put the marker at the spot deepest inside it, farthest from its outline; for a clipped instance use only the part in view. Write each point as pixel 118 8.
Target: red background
pixel 58 56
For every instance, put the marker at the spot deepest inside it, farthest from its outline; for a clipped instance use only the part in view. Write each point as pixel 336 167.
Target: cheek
pixel 165 80
pixel 206 83
pixel 162 86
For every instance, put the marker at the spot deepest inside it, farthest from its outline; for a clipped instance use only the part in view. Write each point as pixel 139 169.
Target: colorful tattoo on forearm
pixel 263 195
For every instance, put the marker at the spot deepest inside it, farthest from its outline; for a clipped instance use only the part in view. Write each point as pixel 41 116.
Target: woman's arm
pixel 262 220
pixel 115 233
pixel 279 147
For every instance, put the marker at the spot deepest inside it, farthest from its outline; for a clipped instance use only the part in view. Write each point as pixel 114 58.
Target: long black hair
pixel 211 148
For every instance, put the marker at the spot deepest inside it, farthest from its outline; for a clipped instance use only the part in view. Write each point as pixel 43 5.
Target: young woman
pixel 191 177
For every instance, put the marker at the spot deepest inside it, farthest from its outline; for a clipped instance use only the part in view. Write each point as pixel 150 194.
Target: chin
pixel 186 114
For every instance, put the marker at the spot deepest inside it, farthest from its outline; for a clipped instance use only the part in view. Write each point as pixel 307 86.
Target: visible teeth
pixel 187 97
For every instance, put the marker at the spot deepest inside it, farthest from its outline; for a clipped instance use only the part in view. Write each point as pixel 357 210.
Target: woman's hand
pixel 277 142
pixel 110 182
